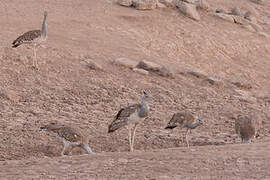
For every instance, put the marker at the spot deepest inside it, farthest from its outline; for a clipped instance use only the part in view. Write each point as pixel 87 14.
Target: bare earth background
pixel 67 91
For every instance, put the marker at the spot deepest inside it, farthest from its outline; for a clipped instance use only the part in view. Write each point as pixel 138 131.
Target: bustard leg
pixel 70 151
pixel 35 63
pixel 133 135
pixel 187 137
pixel 129 138
pixel 64 149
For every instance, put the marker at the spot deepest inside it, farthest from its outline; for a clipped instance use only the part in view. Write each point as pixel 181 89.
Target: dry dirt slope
pixel 65 90
pixel 220 162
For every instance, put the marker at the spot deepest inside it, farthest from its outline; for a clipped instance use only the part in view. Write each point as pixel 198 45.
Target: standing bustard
pixel 245 128
pixel 184 120
pixel 71 137
pixel 34 37
pixel 130 116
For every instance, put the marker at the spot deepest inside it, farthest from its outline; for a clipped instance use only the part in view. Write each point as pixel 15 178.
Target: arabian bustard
pixel 131 116
pixel 71 137
pixel 184 120
pixel 245 128
pixel 34 37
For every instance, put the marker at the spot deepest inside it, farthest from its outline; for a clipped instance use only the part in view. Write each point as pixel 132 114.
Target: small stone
pixel 225 17
pixel 220 10
pixel 149 66
pixel 125 2
pixel 198 74
pixel 160 5
pixel 168 3
pixel 257 1
pixel 93 65
pixel 242 85
pixel 202 4
pixel 141 71
pixel 165 72
pixel 188 9
pixel 235 11
pixel 144 4
pixel 239 20
pixel 214 81
pixel 125 62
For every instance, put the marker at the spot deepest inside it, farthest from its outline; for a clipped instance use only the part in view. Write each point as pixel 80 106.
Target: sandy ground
pixel 67 91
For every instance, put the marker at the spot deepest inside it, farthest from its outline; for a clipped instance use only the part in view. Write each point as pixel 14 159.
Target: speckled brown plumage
pixel 131 116
pixel 245 128
pixel 121 119
pixel 33 37
pixel 71 136
pixel 184 120
pixel 181 119
pixel 27 37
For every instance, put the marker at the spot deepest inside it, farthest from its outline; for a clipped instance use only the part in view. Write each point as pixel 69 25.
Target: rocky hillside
pixel 208 57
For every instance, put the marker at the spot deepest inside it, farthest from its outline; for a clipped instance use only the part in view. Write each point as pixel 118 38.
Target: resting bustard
pixel 131 116
pixel 34 37
pixel 245 128
pixel 71 137
pixel 184 120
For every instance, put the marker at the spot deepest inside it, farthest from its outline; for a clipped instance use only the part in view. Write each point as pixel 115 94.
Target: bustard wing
pixel 66 132
pixel 180 119
pixel 27 37
pixel 121 119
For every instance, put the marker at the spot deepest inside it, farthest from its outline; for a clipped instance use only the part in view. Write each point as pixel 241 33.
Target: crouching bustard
pixel 71 137
pixel 184 120
pixel 245 128
pixel 34 37
pixel 131 116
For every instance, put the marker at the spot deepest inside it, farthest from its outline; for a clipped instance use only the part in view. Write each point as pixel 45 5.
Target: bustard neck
pixel 44 27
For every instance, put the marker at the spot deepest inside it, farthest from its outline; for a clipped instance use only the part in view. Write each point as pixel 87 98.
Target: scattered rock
pixel 141 71
pixel 127 3
pixel 93 65
pixel 235 11
pixel 249 16
pixel 125 62
pixel 168 3
pixel 239 20
pixel 189 1
pixel 257 1
pixel 214 81
pixel 165 72
pixel 149 66
pixel 242 85
pixel 198 74
pixel 202 4
pixel 225 17
pixel 220 10
pixel 155 68
pixel 188 9
pixel 160 5
pixel 145 4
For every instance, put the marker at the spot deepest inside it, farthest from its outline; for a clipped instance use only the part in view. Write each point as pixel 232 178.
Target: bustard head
pixel 199 121
pixel 45 13
pixel 145 96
